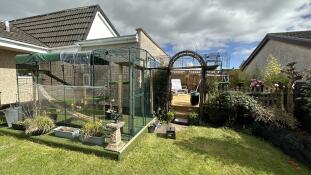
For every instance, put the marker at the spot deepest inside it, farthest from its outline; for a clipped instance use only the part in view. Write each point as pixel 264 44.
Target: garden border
pixel 61 143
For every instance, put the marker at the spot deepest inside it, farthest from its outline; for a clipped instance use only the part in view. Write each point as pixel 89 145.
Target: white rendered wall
pixel 100 28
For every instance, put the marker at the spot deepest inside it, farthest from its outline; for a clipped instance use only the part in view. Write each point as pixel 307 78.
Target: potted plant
pixel 93 133
pixel 66 132
pixel 38 125
pixel 152 127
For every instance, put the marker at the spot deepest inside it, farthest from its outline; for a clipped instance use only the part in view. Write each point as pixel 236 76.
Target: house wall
pixel 285 52
pixel 149 45
pixel 8 84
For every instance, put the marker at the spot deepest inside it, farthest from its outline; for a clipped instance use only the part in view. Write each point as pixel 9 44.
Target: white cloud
pixel 243 51
pixel 195 24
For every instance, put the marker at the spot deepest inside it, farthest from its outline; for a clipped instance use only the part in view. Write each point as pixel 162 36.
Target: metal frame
pixel 136 60
pixel 203 67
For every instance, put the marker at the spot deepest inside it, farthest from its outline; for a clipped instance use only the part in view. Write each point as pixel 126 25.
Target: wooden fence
pixel 282 98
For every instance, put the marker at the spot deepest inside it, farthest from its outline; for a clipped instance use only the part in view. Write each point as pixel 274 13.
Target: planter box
pixel 66 132
pixel 92 140
pixel 18 126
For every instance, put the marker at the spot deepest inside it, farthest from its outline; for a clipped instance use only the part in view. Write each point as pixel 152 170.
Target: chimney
pixel 7 26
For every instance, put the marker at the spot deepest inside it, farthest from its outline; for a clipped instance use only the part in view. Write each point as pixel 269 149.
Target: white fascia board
pixel 110 41
pixel 21 46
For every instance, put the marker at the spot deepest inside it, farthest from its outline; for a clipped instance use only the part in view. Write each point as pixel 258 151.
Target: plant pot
pixel 92 139
pixel 12 115
pixel 194 99
pixel 18 126
pixel 37 133
pixel 66 132
pixel 151 128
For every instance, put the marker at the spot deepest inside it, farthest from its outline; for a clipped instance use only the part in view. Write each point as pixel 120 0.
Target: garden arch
pixel 203 67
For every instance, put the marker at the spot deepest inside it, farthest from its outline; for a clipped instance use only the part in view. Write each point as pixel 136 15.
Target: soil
pixel 67 129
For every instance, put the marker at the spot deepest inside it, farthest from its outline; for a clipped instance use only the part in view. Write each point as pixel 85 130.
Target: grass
pixel 197 150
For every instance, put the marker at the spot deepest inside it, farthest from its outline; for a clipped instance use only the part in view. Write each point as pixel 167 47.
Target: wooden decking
pixel 182 100
pixel 182 106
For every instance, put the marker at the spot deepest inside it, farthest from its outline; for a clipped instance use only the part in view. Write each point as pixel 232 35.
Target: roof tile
pixel 58 28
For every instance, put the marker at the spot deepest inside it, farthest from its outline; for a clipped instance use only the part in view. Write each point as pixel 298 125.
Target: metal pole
pixel 17 81
pixel 51 72
pixel 143 96
pixel 132 96
pixel 37 86
pixel 93 87
pixel 63 72
pixel 120 90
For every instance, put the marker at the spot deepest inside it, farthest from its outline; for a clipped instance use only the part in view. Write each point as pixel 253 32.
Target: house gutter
pixel 109 41
pixel 21 46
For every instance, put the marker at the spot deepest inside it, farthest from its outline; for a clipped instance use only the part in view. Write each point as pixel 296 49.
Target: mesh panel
pixel 82 86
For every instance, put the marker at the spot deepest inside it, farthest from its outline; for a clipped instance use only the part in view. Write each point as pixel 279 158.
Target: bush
pixel 303 106
pixel 238 77
pixel 160 114
pixel 193 118
pixel 160 83
pixel 94 129
pixel 170 116
pixel 230 108
pixel 273 72
pixel 38 125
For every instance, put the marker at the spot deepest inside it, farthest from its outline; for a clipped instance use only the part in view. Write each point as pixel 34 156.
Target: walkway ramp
pixel 75 114
pixel 49 74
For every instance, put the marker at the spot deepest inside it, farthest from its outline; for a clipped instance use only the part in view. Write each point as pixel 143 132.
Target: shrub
pixel 38 125
pixel 193 118
pixel 170 116
pixel 212 84
pixel 232 107
pixel 303 106
pixel 160 83
pixel 238 77
pixel 160 114
pixel 273 72
pixel 93 129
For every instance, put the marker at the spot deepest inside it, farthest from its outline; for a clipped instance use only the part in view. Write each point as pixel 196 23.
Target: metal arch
pixel 190 53
pixel 200 59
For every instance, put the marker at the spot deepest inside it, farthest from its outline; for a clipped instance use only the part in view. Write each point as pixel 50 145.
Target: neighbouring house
pixel 71 30
pixel 287 47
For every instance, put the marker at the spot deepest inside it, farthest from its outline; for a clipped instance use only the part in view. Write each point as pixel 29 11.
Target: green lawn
pixel 197 150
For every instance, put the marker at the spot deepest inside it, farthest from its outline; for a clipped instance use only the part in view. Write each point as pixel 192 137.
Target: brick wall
pixel 145 42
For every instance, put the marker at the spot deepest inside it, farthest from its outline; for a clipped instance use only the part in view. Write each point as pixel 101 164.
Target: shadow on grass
pixel 231 151
pixel 161 135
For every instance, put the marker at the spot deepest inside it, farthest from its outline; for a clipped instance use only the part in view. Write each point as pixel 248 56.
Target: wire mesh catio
pixel 77 87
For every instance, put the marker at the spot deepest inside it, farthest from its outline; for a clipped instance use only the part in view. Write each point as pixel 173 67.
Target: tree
pixel 273 72
pixel 238 77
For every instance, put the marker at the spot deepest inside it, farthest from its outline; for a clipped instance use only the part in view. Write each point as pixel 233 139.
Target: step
pixel 182 108
pixel 182 121
pixel 181 114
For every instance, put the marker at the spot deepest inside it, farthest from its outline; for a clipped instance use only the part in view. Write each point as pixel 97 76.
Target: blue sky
pixel 234 27
pixel 237 52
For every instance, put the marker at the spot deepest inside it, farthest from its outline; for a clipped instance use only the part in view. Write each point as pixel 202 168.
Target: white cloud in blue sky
pixel 205 25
